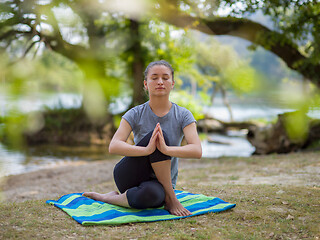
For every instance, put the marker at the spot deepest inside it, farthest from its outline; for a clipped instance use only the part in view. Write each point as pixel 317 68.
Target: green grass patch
pixel 263 211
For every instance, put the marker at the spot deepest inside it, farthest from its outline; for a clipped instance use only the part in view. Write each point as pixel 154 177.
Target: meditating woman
pixel 147 175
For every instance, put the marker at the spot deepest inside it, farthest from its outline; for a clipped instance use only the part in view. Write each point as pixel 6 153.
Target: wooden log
pixel 209 124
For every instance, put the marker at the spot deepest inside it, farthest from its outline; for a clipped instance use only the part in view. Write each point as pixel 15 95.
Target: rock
pixel 290 217
pixel 284 136
pixel 271 235
pixel 280 192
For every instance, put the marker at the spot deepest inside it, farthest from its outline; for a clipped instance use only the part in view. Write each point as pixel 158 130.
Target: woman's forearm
pixel 187 151
pixel 126 149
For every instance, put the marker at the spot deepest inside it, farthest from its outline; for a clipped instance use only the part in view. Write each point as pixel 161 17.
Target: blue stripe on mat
pixel 112 214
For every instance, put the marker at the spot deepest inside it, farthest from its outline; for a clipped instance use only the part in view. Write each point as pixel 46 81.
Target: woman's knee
pixel 147 196
pixel 119 169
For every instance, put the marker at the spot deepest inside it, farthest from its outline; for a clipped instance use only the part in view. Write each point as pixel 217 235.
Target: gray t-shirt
pixel 143 120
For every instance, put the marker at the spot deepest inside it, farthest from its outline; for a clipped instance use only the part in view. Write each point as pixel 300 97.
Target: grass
pixel 263 211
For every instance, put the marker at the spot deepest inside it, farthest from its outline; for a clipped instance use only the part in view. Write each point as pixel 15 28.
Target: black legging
pixel 136 175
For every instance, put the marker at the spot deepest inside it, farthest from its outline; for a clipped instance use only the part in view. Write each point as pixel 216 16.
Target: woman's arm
pixel 118 144
pixel 191 150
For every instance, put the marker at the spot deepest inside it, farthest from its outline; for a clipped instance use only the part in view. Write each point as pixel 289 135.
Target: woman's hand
pixel 152 145
pixel 157 141
pixel 161 143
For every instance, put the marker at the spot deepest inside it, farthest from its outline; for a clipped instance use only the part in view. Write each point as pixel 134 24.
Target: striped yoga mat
pixel 90 212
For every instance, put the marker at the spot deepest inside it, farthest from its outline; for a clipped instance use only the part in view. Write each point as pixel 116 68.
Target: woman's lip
pixel 159 88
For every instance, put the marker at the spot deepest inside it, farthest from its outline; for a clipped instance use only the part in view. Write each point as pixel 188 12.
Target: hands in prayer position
pixel 157 141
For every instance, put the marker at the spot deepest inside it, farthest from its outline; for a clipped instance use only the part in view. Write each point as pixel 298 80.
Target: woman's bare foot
pixel 101 197
pixel 113 197
pixel 176 208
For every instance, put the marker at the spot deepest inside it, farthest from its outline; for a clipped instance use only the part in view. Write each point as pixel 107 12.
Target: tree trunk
pixel 137 66
pixel 226 102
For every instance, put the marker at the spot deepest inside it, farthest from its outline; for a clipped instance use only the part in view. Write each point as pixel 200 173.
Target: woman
pixel 146 177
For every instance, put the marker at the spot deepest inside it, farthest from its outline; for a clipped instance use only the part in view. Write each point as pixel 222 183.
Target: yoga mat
pixel 90 212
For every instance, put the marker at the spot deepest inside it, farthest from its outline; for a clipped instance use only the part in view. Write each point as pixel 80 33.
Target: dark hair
pixel 161 62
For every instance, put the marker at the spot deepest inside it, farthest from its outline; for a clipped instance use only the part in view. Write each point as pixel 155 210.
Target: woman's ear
pixel 172 85
pixel 145 85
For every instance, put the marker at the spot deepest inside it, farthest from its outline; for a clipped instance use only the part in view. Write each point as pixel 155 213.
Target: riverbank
pixel 42 156
pixel 277 197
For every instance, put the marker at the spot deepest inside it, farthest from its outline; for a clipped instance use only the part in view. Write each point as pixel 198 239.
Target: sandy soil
pixel 299 169
pixel 55 181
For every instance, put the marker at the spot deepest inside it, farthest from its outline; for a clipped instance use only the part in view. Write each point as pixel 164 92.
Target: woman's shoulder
pixel 180 109
pixel 183 115
pixel 134 115
pixel 140 107
pixel 137 109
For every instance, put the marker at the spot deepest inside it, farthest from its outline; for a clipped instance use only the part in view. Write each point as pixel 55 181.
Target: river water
pixel 234 143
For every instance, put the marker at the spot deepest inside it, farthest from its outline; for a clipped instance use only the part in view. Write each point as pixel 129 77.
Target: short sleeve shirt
pixel 143 120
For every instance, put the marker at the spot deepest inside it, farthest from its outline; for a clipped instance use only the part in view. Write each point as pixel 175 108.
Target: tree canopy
pixel 112 41
pixel 91 33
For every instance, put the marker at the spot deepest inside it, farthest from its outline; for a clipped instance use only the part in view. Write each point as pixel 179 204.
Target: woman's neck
pixel 160 106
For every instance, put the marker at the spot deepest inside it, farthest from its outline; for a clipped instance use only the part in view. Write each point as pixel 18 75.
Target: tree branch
pixel 29 48
pixel 35 53
pixel 89 13
pixel 13 32
pixel 56 42
pixel 246 29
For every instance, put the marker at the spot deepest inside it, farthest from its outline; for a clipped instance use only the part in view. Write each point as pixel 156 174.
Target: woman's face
pixel 159 81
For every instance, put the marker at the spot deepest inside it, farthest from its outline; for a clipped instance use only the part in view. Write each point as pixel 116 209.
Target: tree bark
pixel 137 65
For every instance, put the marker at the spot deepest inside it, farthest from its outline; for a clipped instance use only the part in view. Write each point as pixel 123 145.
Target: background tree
pixel 104 30
pixel 111 49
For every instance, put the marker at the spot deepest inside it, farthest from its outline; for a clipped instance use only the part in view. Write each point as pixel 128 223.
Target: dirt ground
pixel 298 169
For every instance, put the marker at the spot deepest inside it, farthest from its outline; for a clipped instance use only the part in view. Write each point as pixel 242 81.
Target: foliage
pixel 105 34
pixel 163 41
pixel 11 129
pixel 292 34
pixel 297 126
pixel 222 66
pixel 49 72
pixel 53 125
pixel 297 19
pixel 218 69
pixel 105 41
